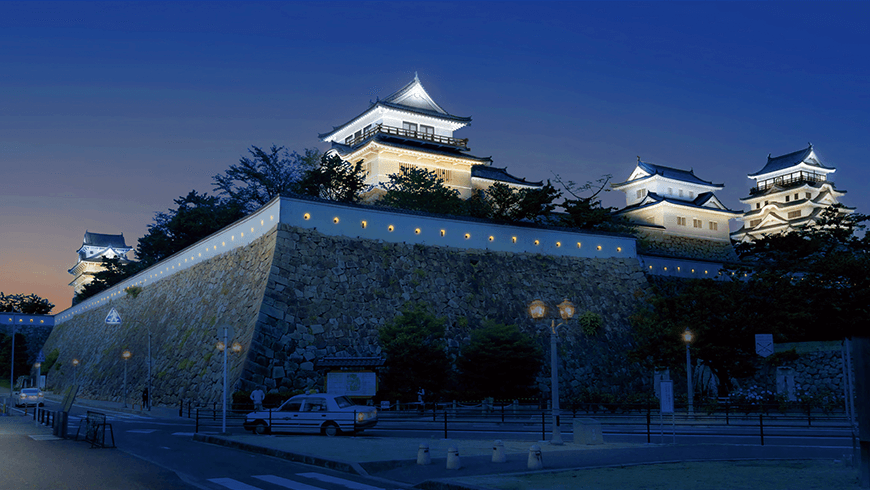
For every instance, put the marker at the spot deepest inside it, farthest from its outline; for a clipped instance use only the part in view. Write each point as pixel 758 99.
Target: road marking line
pixel 339 481
pixel 233 484
pixel 284 482
pixel 44 437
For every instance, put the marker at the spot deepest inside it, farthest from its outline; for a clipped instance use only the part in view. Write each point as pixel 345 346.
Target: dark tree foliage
pixel 418 189
pixel 826 267
pixel 499 361
pixel 334 179
pixel 510 204
pixel 196 217
pixel 28 304
pixel 114 271
pixel 586 212
pixel 22 367
pixel 416 352
pixel 264 175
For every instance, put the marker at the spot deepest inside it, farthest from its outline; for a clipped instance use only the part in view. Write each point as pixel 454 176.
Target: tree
pixel 29 304
pixel 511 204
pixel 416 351
pixel 334 179
pixel 196 217
pixel 114 271
pixel 499 361
pixel 418 189
pixel 264 175
pixel 714 311
pixel 586 212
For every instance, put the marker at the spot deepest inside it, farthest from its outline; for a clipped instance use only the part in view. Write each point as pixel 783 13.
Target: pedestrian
pixel 257 396
pixel 145 401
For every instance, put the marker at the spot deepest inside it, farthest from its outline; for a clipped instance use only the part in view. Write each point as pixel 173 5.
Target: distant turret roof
pixel 500 175
pixel 673 173
pixel 792 159
pixel 103 240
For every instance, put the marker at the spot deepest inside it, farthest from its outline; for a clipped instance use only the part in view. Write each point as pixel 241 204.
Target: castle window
pixel 366 129
pixel 696 223
pixel 787 198
pixel 714 226
pixel 348 140
pixel 691 194
pixel 796 196
pixel 681 221
pixel 358 134
pixel 809 195
pixel 754 223
pixel 427 129
pixel 758 205
pixel 670 191
pixel 640 193
pixel 681 192
pixel 408 126
pixel 794 214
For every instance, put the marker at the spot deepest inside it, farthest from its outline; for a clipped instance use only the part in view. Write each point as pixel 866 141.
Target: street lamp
pixel 538 310
pixel 236 348
pixel 75 363
pixel 687 338
pixel 126 355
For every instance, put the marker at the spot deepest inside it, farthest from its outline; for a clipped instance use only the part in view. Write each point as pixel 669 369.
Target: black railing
pixel 407 133
pixel 788 180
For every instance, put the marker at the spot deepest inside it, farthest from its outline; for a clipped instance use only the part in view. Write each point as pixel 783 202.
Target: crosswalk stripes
pixel 282 482
pixel 346 483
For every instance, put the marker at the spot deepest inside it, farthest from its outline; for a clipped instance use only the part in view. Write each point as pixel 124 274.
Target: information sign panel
pixel 351 384
pixel 113 318
pixel 764 344
pixel 667 398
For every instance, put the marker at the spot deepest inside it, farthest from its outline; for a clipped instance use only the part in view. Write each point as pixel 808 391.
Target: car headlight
pixel 22 395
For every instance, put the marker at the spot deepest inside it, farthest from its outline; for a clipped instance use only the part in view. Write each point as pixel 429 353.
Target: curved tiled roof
pixel 103 240
pixel 790 160
pixel 500 175
pixel 654 199
pixel 343 149
pixel 674 173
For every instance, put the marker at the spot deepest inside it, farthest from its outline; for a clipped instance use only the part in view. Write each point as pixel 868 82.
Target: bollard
pixel 423 456
pixel 536 461
pixel 498 455
pixel 453 462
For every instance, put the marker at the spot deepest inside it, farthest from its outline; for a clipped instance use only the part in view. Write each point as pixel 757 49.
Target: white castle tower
pixel 790 192
pixel 94 247
pixel 408 129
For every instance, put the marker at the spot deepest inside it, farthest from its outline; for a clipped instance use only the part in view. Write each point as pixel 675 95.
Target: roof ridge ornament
pixel 417 79
pixel 811 144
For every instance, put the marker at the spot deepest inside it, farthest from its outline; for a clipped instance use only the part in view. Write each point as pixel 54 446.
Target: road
pixel 167 447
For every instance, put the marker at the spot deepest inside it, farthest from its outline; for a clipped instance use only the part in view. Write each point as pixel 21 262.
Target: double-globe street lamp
pixel 538 310
pixel 687 338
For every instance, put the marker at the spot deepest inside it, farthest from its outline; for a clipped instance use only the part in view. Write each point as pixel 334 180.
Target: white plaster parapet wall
pixel 374 223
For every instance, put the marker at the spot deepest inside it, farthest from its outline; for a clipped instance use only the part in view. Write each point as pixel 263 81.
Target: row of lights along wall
pixel 367 222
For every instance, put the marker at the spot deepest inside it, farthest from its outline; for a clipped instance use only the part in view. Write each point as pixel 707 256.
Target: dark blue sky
pixel 108 111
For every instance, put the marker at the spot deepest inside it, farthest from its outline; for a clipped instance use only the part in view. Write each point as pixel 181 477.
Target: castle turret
pixel 410 130
pixel 790 192
pixel 96 246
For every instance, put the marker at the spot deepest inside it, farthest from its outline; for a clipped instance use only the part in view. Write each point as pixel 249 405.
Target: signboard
pixel 667 396
pixel 351 384
pixel 113 318
pixel 40 357
pixel 764 344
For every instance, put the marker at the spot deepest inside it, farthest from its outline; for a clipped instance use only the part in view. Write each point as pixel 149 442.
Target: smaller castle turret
pixel 96 246
pixel 790 192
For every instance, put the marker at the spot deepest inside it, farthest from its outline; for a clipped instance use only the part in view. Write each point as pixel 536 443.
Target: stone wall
pixel 328 296
pixel 295 295
pixel 656 243
pixel 817 368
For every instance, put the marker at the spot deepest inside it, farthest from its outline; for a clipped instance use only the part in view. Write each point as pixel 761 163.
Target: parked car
pixel 28 397
pixel 320 413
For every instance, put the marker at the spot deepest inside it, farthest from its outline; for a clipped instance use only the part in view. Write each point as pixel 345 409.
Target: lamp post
pixel 126 355
pixel 687 338
pixel 538 310
pixel 75 363
pixel 236 348
pixel 38 366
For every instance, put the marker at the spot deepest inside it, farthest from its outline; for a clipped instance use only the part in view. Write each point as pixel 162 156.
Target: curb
pixel 337 465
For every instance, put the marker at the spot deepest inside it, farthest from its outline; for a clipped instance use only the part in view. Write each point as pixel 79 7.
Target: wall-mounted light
pixel 443 232
pixel 666 267
pixel 390 228
pixel 261 222
pixel 335 220
pixel 598 248
pixel 363 224
pixel 537 242
pixel 619 249
pixel 467 236
pixel 491 238
pixel 579 244
pixel 416 231
pixel 558 244
pixel 514 239
pixel 678 268
pixel 306 216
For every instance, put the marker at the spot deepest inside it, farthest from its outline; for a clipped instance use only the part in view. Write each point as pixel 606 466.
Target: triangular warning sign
pixel 113 318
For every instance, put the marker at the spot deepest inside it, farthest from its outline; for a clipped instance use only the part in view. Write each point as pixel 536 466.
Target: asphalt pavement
pixel 393 460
